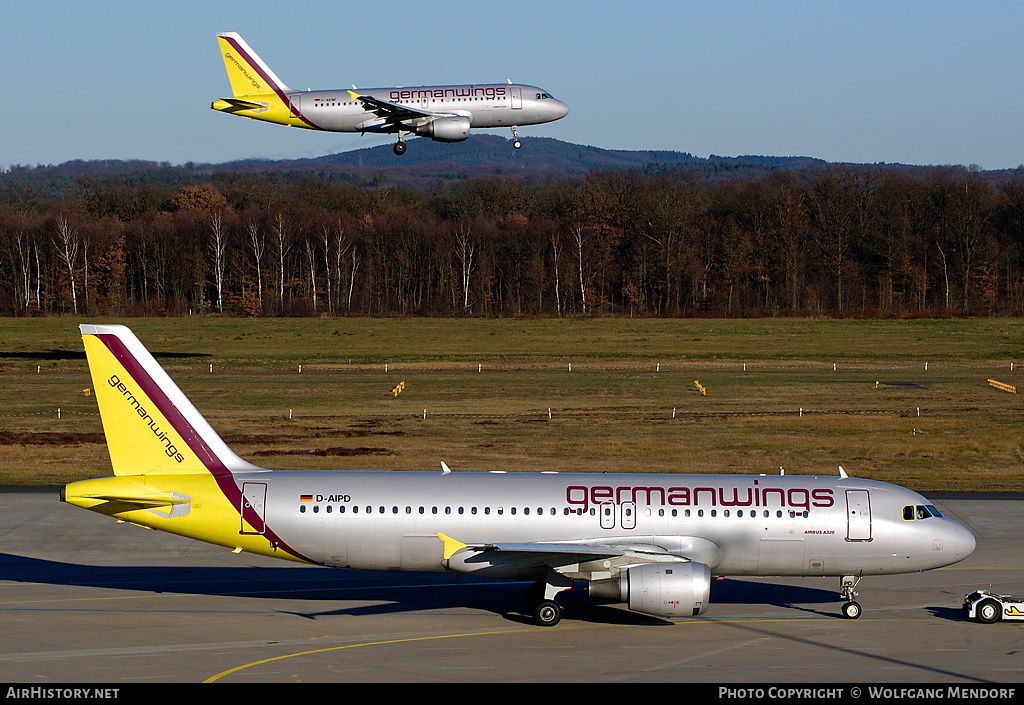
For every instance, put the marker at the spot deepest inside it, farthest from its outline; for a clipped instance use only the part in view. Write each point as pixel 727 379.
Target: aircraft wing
pixel 392 112
pixel 549 554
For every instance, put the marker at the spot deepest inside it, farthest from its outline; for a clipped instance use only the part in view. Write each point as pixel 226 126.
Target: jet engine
pixel 662 589
pixel 454 128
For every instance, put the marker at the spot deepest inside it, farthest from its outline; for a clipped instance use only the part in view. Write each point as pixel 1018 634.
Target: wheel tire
pixel 548 613
pixel 851 610
pixel 517 144
pixel 989 611
pixel 399 148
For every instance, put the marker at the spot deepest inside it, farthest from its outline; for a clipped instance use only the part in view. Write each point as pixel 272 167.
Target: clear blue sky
pixel 898 81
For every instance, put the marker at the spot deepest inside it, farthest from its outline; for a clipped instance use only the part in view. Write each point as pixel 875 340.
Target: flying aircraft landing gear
pixel 851 608
pixel 399 147
pixel 515 137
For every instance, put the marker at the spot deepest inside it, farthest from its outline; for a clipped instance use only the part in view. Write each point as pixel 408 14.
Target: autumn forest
pixel 833 241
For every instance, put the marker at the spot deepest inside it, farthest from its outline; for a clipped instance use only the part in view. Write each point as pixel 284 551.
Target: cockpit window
pixel 920 511
pixel 543 96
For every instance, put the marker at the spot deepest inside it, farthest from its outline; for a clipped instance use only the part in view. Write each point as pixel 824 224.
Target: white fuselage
pixel 492 105
pixel 738 525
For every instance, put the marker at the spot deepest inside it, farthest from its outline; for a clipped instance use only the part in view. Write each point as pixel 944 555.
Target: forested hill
pixel 424 164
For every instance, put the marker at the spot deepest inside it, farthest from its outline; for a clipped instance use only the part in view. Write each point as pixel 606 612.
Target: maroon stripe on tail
pixel 263 74
pixel 221 473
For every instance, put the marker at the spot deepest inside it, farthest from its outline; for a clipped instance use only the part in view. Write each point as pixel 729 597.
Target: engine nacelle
pixel 454 128
pixel 662 589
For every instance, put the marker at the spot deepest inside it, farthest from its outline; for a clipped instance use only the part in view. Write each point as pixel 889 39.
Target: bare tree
pixel 311 263
pixel 67 250
pixel 340 248
pixel 258 245
pixel 577 234
pixel 218 247
pixel 283 248
pixel 836 208
pixel 945 271
pixel 24 246
pixel 556 247
pixel 465 254
pixel 352 276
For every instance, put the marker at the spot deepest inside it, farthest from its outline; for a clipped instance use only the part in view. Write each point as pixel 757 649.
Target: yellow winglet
pixel 355 96
pixel 451 546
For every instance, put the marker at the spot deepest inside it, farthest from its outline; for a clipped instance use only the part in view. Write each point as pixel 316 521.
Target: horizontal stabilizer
pixel 144 502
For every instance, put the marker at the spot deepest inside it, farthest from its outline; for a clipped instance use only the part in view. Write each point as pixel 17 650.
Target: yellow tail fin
pixel 248 73
pixel 151 426
pixel 257 91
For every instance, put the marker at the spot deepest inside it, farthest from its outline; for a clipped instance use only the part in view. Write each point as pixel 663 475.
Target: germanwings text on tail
pixel 442 113
pixel 648 540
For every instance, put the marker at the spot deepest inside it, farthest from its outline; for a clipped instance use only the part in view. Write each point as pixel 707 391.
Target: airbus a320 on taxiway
pixel 652 541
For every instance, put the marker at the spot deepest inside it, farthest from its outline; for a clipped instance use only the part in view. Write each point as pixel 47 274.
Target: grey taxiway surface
pixel 85 599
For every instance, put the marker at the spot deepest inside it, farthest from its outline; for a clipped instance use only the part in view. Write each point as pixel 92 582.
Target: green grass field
pixel 487 386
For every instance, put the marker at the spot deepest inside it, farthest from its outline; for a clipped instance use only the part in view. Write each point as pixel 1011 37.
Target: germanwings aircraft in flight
pixel 651 541
pixel 442 113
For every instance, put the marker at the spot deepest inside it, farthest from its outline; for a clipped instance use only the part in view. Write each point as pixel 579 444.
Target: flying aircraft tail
pixel 248 73
pixel 257 92
pixel 150 425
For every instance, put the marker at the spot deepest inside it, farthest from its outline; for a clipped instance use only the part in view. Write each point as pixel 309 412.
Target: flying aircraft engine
pixel 446 129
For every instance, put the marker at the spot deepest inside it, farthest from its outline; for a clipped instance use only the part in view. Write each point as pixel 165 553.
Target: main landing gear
pixel 515 137
pixel 540 598
pixel 399 148
pixel 847 584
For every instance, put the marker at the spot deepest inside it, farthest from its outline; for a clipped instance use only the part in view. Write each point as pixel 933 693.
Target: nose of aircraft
pixel 558 109
pixel 964 542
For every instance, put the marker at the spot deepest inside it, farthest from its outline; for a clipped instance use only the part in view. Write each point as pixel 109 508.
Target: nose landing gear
pixel 847 585
pixel 515 137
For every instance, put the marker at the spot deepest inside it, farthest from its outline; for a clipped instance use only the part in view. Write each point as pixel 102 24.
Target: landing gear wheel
pixel 399 148
pixel 851 610
pixel 547 613
pixel 517 144
pixel 515 137
pixel 989 612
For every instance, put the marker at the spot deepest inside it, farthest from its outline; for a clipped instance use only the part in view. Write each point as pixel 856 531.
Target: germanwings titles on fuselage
pixel 650 541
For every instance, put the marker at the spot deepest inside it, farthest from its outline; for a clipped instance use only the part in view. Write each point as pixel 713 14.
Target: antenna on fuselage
pixel 842 473
pixel 782 470
pixel 444 468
